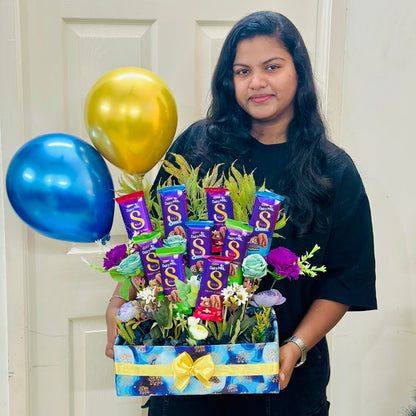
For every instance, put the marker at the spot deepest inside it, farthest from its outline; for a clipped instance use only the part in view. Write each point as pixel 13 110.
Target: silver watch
pixel 302 348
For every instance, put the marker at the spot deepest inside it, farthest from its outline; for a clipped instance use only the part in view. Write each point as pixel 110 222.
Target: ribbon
pixel 183 368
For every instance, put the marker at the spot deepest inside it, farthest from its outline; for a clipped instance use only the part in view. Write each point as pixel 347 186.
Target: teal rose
pixel 131 265
pixel 254 266
pixel 175 240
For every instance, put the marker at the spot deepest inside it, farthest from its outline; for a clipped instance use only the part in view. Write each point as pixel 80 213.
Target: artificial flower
pixel 175 240
pixel 192 321
pixel 131 265
pixel 228 291
pixel 267 298
pixel 148 294
pixel 193 279
pixel 285 262
pixel 128 311
pixel 241 295
pixel 254 266
pixel 114 256
pixel 198 332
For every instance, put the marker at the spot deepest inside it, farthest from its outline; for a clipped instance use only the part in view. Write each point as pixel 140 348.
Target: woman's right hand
pixel 110 317
pixel 112 309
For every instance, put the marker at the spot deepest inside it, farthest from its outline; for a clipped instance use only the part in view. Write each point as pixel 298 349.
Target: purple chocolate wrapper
pixel 219 208
pixel 199 243
pixel 134 213
pixel 263 220
pixel 147 245
pixel 173 204
pixel 171 268
pixel 214 278
pixel 237 237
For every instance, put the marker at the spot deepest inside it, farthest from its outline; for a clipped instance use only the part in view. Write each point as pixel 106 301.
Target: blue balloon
pixel 60 186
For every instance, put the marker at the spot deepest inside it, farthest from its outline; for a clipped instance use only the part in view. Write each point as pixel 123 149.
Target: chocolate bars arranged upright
pixel 215 248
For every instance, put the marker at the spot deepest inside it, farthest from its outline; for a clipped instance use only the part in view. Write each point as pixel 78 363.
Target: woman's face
pixel 265 80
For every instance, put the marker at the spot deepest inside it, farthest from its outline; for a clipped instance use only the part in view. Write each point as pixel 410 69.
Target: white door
pixel 57 328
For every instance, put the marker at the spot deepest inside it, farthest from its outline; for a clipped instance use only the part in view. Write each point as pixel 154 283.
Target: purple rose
pixel 114 256
pixel 267 298
pixel 285 262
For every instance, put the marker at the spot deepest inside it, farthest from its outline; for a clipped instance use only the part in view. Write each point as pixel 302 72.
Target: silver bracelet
pixel 116 296
pixel 301 346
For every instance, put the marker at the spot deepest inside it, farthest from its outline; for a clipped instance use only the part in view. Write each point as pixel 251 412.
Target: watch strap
pixel 301 346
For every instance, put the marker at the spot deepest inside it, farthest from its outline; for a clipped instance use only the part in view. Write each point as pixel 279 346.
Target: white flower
pixel 193 321
pixel 147 294
pixel 194 280
pixel 228 291
pixel 198 332
pixel 241 295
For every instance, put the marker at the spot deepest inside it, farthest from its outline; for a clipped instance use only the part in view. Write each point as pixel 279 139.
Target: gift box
pixel 142 370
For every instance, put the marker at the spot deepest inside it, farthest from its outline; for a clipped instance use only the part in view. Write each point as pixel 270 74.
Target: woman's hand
pixel 289 355
pixel 321 317
pixel 110 317
pixel 112 309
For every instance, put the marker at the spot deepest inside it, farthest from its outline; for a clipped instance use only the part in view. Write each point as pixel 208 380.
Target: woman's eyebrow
pixel 265 62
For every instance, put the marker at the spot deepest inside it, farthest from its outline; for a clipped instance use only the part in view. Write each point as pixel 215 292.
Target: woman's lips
pixel 259 99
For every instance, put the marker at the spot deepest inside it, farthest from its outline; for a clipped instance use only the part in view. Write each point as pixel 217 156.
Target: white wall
pixel 377 128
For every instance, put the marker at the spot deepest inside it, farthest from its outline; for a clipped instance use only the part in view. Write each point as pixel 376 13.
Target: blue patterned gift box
pixel 204 369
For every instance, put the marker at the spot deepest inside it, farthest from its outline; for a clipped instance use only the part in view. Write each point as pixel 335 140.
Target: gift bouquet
pixel 197 250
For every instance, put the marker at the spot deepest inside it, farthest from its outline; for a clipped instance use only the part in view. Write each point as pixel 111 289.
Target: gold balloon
pixel 131 118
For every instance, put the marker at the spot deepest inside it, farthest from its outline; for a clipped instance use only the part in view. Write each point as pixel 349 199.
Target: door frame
pixel 14 346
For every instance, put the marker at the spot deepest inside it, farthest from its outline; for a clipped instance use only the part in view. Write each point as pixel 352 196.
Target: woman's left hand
pixel 289 355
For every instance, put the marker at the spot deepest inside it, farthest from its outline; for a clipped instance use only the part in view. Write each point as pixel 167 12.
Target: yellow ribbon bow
pixel 183 368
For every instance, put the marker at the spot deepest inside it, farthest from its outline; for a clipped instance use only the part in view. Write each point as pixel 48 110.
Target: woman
pixel 264 116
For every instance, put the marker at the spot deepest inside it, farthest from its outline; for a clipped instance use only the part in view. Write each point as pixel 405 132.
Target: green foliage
pixel 280 223
pixel 164 315
pixel 129 184
pixel 242 189
pixel 122 278
pixel 235 331
pixel 263 322
pixel 185 174
pixel 411 410
pixel 216 329
pixel 125 331
pixel 187 293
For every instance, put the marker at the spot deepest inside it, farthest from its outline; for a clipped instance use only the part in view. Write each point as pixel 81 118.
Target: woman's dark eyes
pixel 272 67
pixel 245 71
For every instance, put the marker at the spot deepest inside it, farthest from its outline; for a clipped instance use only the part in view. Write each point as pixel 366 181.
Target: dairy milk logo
pixel 198 234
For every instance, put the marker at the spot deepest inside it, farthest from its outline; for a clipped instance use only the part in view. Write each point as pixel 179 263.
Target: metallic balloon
pixel 131 118
pixel 61 187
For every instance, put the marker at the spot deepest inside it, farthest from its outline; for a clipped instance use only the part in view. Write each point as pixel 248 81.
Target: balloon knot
pixel 105 239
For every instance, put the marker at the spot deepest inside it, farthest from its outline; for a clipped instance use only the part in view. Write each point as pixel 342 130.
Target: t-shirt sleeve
pixel 349 255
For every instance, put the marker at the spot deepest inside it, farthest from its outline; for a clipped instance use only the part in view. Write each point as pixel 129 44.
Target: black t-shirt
pixel 346 247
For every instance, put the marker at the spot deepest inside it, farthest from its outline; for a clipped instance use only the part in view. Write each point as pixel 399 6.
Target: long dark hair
pixel 229 126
